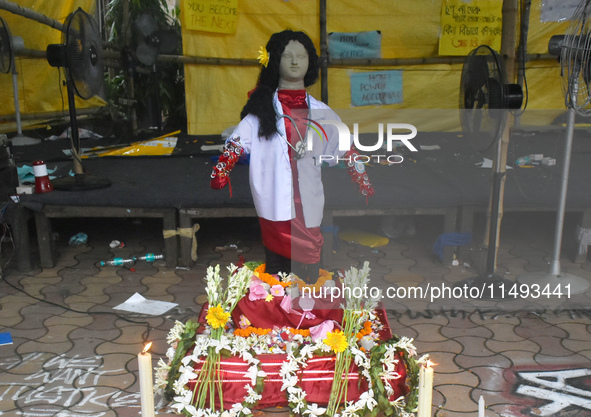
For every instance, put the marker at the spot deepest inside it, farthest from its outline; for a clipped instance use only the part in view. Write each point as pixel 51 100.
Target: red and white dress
pixel 288 193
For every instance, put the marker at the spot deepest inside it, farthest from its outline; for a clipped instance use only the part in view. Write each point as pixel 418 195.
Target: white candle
pixel 481 406
pixel 146 384
pixel 425 390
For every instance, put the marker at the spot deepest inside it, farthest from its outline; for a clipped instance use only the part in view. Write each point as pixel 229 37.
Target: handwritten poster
pixel 380 87
pixel 466 25
pixel 355 45
pixel 218 16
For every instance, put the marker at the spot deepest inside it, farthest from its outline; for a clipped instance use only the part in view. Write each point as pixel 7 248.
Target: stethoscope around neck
pixel 300 147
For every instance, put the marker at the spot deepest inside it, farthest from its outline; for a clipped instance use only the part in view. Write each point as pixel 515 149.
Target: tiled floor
pixel 72 356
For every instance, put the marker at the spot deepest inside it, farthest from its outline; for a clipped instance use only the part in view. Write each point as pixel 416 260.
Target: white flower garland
pixel 296 360
pixel 389 363
pixel 296 396
pixel 183 400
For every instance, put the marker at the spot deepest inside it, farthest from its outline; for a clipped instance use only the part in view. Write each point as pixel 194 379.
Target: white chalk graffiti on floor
pixel 553 386
pixel 62 386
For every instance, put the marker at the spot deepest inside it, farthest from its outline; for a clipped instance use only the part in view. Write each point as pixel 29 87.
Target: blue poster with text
pixel 355 45
pixel 380 87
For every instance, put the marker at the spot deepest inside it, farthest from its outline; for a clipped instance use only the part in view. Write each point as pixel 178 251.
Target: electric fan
pixel 80 55
pixel 485 97
pixel 575 61
pixel 154 41
pixel 9 45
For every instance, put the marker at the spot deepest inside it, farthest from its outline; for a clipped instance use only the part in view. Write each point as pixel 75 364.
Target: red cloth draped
pixel 269 314
pixel 316 377
pixel 316 381
pixel 292 239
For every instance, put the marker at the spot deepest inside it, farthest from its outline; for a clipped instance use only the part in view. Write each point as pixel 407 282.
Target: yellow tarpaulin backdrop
pixel 40 89
pixel 409 28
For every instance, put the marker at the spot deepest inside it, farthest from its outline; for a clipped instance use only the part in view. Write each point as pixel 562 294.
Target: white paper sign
pixel 138 304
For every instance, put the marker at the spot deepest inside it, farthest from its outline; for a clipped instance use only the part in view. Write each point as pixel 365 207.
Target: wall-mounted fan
pixel 80 55
pixel 9 46
pixel 574 49
pixel 485 98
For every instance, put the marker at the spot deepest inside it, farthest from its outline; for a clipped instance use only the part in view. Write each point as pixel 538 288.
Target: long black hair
pixel 260 102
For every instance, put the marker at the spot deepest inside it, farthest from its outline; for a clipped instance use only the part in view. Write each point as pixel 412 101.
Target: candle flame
pixel 429 363
pixel 147 347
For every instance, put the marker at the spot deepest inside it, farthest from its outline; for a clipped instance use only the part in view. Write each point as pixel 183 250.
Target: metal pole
pixel 568 146
pixel 17 107
pixel 323 53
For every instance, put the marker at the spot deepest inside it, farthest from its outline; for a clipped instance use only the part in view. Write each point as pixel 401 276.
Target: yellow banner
pixel 466 25
pixel 218 16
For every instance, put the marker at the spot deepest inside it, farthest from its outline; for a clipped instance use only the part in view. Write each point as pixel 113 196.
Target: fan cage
pixel 481 97
pixel 83 54
pixel 575 61
pixel 6 52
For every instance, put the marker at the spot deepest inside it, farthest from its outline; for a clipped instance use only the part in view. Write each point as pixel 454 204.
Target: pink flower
pixel 319 332
pixel 277 290
pixel 257 292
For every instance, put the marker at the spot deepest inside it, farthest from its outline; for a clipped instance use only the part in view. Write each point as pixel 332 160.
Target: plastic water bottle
pixel 150 257
pixel 118 262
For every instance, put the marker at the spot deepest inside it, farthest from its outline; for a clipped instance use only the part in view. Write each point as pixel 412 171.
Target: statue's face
pixel 294 62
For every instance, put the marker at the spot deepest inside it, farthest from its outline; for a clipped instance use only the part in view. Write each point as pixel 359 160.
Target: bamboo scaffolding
pixel 333 63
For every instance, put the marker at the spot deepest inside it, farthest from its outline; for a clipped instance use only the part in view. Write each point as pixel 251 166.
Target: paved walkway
pixel 72 356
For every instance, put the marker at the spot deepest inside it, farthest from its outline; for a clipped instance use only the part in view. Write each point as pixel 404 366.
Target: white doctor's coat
pixel 270 170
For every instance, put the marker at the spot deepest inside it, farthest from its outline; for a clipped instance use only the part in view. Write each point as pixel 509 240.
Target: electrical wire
pixel 88 313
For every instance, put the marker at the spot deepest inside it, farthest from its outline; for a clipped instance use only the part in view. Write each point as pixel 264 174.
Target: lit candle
pixel 481 406
pixel 425 390
pixel 146 385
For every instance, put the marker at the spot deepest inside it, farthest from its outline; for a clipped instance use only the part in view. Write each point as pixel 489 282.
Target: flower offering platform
pixel 268 341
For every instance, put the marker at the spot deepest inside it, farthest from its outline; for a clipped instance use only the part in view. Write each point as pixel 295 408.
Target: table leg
pixel 185 222
pixel 171 243
pixel 17 218
pixel 46 243
pixel 449 226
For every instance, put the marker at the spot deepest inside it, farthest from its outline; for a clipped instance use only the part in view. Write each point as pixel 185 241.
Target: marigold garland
pixel 250 330
pixel 324 276
pixel 268 278
pixel 365 331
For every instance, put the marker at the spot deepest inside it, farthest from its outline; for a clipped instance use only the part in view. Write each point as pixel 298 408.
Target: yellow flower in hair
pixel 216 317
pixel 263 56
pixel 336 340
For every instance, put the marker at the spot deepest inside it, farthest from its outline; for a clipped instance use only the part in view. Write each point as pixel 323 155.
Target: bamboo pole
pixel 522 50
pixel 333 63
pixel 53 114
pixel 508 53
pixel 129 85
pixel 31 14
